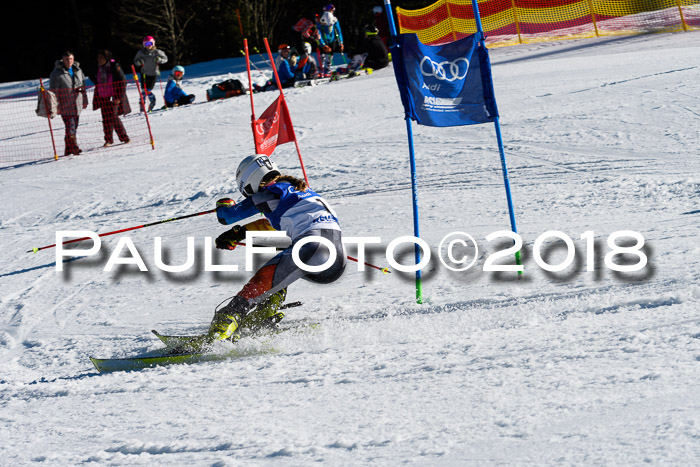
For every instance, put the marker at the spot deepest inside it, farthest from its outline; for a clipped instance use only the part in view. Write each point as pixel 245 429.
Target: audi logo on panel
pixel 445 71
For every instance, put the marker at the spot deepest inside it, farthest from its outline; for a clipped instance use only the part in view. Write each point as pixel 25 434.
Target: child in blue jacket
pixel 174 95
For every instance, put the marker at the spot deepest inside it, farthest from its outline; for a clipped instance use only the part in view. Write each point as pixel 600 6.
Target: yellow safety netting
pixel 508 22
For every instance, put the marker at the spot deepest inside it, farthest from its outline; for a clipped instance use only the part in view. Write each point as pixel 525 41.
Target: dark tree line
pixel 189 31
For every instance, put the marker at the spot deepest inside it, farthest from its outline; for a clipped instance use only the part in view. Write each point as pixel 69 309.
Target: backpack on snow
pixel 225 89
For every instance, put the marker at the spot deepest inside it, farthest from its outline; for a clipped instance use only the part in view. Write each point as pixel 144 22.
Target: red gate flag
pixel 273 127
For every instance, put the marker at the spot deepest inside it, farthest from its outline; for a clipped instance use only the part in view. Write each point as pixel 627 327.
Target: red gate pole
pixel 48 118
pixel 240 25
pixel 279 86
pixel 143 105
pixel 250 90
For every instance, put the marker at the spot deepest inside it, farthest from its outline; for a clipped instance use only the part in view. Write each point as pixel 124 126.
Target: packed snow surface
pixel 575 367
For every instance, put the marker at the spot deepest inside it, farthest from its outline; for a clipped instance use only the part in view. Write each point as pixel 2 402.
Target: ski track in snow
pixel 574 367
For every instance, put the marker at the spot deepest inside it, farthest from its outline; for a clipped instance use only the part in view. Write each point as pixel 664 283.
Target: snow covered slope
pixel 566 367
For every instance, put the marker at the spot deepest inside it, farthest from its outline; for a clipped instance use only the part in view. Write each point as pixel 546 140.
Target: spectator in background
pixel 287 66
pixel 285 63
pixel 283 52
pixel 68 83
pixel 331 37
pixel 375 55
pixel 110 97
pixel 306 67
pixel 308 31
pixel 148 60
pixel 174 95
pixel 382 24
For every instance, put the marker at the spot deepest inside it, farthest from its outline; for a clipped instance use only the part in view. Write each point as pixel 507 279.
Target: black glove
pixel 228 239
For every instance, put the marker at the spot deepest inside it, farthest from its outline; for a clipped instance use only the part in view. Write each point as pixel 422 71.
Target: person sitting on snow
pixel 174 95
pixel 285 64
pixel 289 205
pixel 374 53
pixel 306 67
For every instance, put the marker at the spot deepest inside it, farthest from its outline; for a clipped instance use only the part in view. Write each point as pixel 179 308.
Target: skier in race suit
pixel 288 205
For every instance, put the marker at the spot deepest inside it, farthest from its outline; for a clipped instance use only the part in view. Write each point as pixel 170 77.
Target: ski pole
pixel 384 270
pixel 34 250
pixel 251 62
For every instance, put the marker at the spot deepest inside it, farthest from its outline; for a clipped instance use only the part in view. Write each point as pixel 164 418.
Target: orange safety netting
pixel 508 22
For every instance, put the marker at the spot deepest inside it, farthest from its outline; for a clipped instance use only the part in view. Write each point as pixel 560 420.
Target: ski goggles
pixel 148 43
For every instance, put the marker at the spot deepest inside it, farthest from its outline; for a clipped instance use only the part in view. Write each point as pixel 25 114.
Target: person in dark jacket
pixel 110 97
pixel 67 81
pixel 375 55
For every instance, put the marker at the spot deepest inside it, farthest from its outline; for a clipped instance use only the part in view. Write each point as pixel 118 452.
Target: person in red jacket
pixel 110 97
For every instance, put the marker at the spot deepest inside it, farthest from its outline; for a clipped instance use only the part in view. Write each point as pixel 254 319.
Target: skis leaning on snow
pixel 311 82
pixel 334 77
pixel 338 75
pixel 190 349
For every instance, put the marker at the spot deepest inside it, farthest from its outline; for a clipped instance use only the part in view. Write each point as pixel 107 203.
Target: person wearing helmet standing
pixel 148 59
pixel 174 95
pixel 288 205
pixel 330 36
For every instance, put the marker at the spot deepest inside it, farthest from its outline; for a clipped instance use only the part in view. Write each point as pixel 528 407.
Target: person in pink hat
pixel 148 60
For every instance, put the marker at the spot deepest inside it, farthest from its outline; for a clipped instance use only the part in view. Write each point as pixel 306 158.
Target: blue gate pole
pixel 414 178
pixel 414 192
pixel 499 138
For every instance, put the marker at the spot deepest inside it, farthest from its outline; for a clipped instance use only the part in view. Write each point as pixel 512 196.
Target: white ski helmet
pixel 307 48
pixel 327 19
pixel 377 10
pixel 252 170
